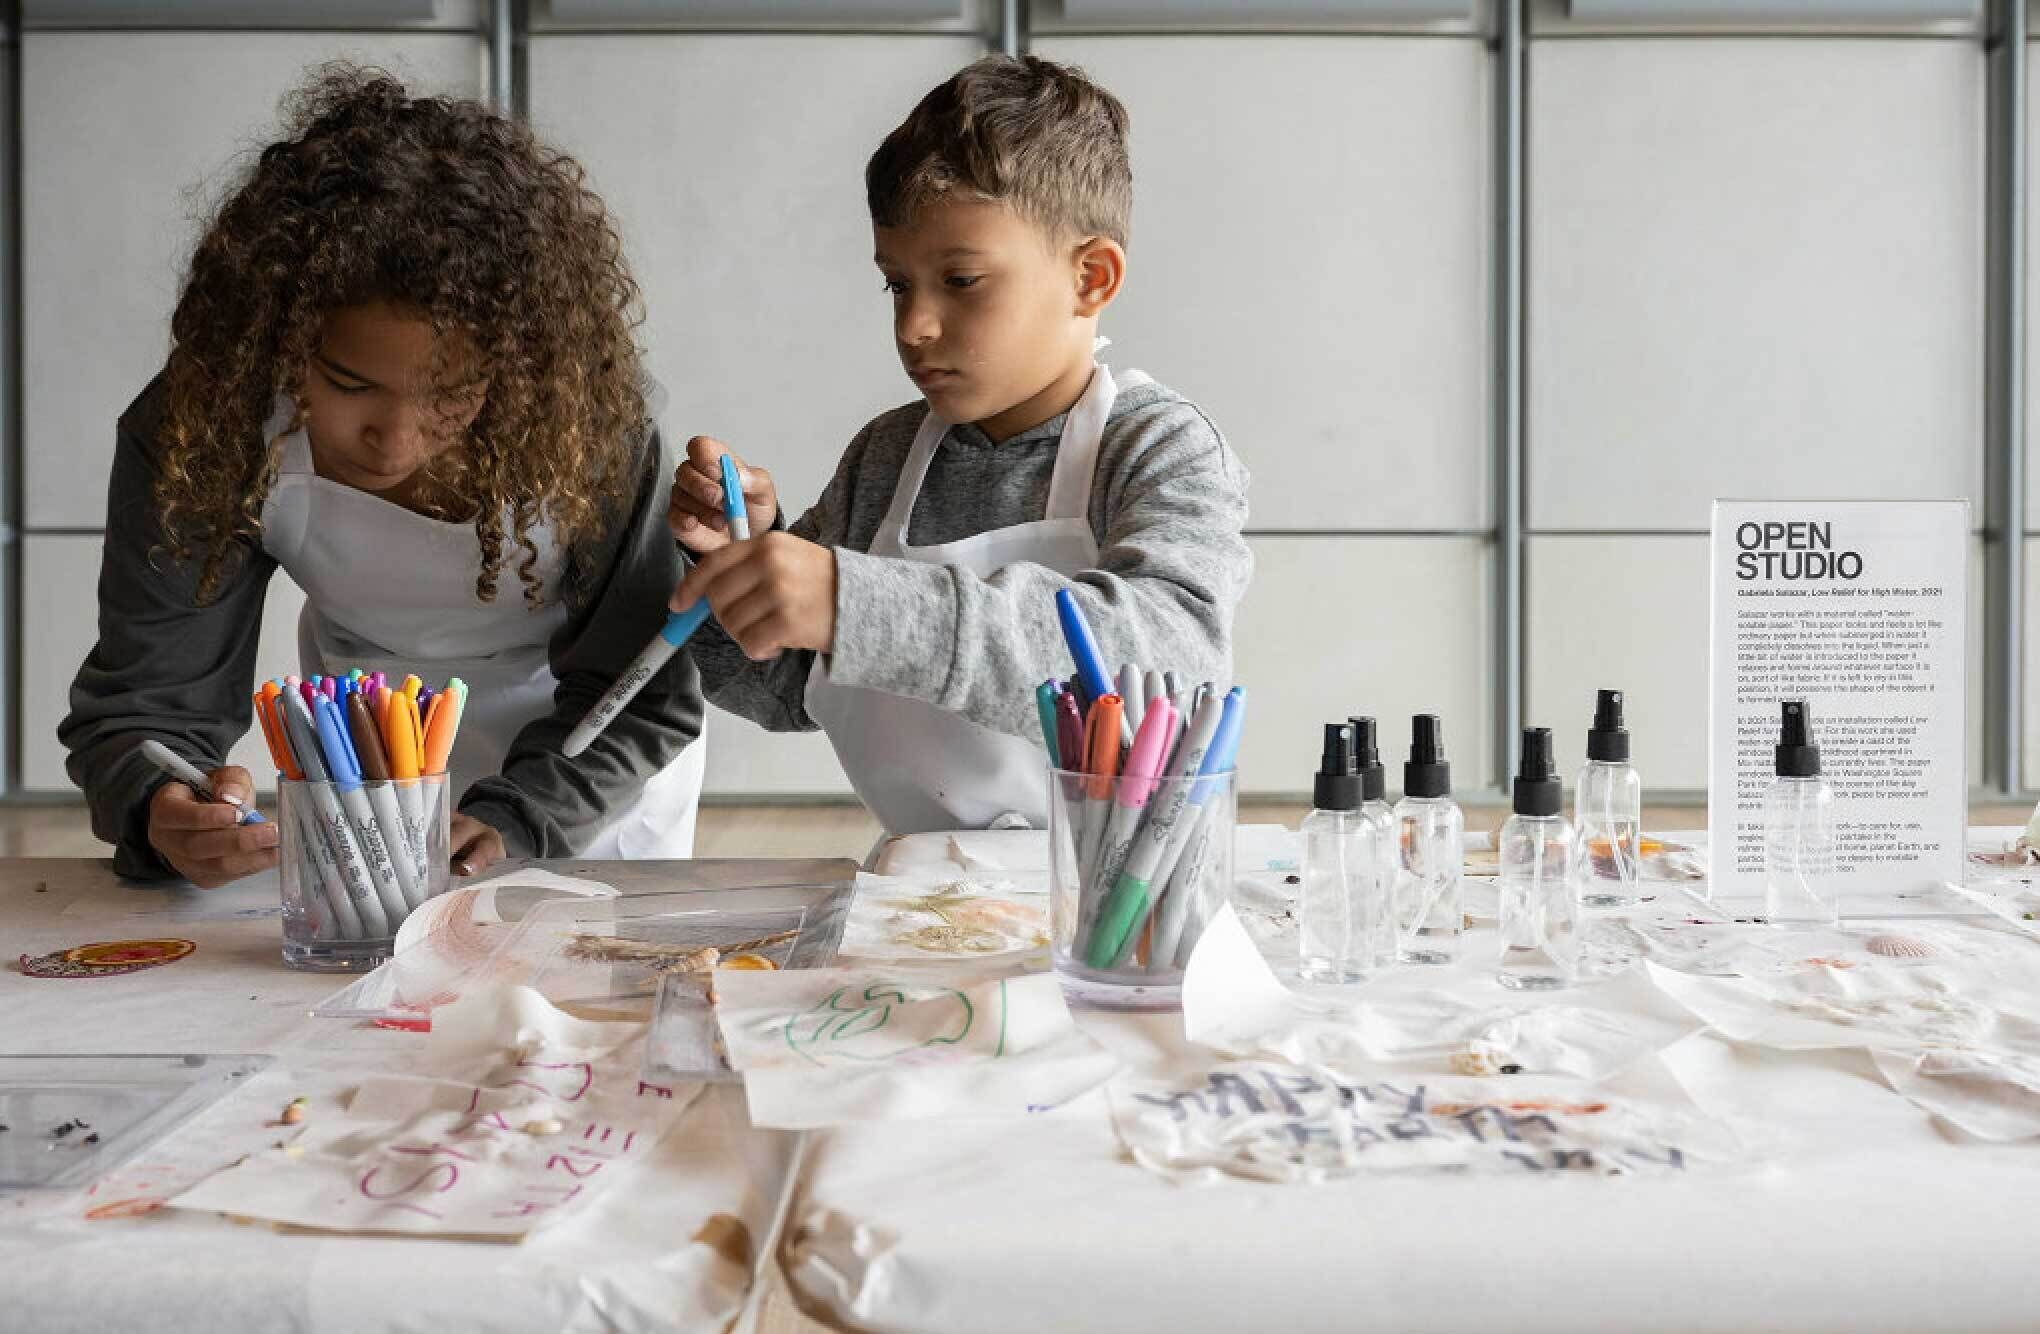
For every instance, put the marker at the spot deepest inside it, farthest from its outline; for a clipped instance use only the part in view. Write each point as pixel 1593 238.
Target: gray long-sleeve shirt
pixel 1167 505
pixel 169 669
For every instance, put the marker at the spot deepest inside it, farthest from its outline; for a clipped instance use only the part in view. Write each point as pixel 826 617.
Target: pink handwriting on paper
pixel 580 1075
pixel 417 1183
pixel 526 1208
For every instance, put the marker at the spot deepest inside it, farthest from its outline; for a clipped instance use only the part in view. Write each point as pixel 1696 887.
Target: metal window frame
pixel 2005 398
pixel 10 397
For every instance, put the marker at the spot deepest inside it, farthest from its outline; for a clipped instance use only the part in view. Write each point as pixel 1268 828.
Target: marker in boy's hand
pixel 695 512
pixel 204 841
pixel 772 593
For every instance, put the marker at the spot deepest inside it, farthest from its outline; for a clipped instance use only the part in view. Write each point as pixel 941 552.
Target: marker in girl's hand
pixel 170 762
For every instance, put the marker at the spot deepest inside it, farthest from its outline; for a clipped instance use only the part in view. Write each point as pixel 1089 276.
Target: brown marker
pixel 368 746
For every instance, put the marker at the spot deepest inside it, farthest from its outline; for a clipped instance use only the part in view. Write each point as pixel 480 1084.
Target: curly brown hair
pixel 443 208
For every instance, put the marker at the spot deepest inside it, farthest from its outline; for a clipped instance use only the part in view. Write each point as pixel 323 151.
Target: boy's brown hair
pixel 1025 132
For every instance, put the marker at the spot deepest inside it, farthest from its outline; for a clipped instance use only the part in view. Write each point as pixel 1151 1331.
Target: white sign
pixel 1860 608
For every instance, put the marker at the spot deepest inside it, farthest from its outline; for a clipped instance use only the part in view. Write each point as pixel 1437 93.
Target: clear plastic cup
pixel 1137 870
pixel 355 863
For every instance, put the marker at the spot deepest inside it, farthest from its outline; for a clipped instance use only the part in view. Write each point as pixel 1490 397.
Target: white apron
pixel 393 591
pixel 920 768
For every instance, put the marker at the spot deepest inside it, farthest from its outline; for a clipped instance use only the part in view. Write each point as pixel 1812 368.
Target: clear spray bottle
pixel 1429 829
pixel 1799 841
pixel 1608 810
pixel 1540 910
pixel 1344 900
pixel 1374 805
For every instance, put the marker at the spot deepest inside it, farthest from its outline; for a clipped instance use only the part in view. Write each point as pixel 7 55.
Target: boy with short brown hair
pixel 911 612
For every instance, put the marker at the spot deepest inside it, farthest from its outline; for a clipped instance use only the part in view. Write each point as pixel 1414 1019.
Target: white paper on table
pixel 1266 847
pixel 976 915
pixel 441 948
pixel 999 849
pixel 2013 902
pixel 1276 1121
pixel 469 1151
pixel 828 1046
pixel 1234 1004
pixel 1958 1036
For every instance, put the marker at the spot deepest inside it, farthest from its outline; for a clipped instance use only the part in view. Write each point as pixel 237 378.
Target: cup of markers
pixel 362 809
pixel 1142 809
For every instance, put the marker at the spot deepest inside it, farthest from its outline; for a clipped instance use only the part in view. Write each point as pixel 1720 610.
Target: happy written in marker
pixel 1276 1122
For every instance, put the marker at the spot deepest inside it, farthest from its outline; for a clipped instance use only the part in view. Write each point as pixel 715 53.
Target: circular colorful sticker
pixel 106 958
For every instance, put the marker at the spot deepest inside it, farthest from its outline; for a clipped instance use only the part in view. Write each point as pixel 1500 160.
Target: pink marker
pixel 1136 784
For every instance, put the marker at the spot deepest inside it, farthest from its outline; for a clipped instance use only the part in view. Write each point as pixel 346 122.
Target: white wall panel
pixel 1756 270
pixel 735 165
pixel 60 624
pixel 1387 626
pixel 128 139
pixel 1309 262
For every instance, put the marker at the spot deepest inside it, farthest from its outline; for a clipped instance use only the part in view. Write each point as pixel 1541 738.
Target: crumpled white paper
pixel 1955 1029
pixel 974 915
pixel 1233 1003
pixel 827 1046
pixel 443 947
pixel 528 1113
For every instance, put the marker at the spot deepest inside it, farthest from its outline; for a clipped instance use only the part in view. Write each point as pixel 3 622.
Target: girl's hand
pixel 202 840
pixel 475 845
pixel 695 513
pixel 774 592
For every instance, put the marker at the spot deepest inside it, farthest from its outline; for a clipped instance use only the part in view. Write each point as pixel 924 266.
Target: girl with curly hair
pixel 403 368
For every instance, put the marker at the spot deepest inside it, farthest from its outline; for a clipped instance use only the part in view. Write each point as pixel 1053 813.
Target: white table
pixel 1873 1217
pixel 630 1262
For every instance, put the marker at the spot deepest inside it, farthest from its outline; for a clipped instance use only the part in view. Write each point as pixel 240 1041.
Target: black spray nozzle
pixel 1538 790
pixel 1337 756
pixel 1367 758
pixel 1798 756
pixel 1608 740
pixel 1427 774
pixel 1337 784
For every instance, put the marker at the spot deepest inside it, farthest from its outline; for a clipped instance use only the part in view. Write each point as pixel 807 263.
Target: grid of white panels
pixel 1755 266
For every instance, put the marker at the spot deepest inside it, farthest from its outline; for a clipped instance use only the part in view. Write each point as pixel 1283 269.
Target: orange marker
pixel 401 739
pixel 272 731
pixel 442 720
pixel 409 704
pixel 1101 746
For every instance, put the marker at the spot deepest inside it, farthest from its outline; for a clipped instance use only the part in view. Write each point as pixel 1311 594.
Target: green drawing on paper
pixel 885 1022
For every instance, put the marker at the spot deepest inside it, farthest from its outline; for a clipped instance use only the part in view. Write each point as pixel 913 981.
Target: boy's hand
pixel 695 513
pixel 201 839
pixel 772 593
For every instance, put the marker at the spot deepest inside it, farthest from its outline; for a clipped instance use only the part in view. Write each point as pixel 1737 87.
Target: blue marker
pixel 1182 862
pixel 738 517
pixel 680 626
pixel 346 773
pixel 1083 648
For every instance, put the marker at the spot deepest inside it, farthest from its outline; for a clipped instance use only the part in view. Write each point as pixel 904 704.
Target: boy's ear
pixel 1100 267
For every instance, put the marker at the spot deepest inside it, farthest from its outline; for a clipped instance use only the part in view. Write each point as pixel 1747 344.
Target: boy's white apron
pixel 921 768
pixel 390 590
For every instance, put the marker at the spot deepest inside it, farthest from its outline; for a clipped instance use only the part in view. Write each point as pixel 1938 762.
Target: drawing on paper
pixel 893 1022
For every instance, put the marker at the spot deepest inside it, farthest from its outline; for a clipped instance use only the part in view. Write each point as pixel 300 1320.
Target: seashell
pixel 1900 947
